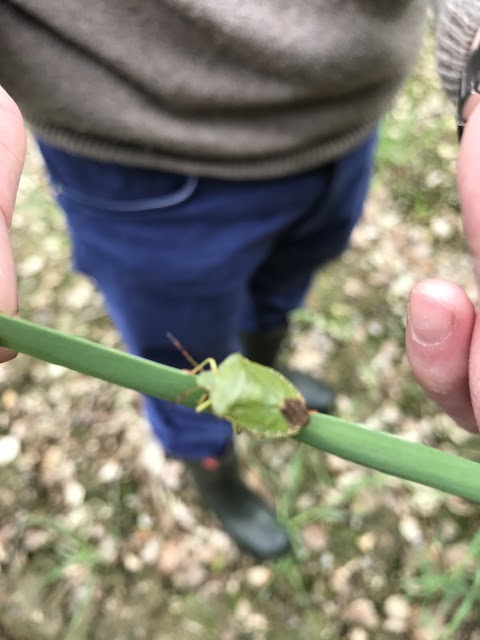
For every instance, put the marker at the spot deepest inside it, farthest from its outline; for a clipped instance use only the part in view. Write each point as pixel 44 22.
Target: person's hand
pixel 443 327
pixel 12 154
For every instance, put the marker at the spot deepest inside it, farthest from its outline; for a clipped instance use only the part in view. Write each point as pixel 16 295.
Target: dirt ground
pixel 102 537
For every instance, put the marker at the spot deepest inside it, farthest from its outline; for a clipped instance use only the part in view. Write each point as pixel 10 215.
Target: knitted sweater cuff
pixel 458 24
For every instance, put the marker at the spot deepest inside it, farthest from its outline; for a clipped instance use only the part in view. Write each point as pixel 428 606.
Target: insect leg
pixel 185 394
pixel 204 403
pixel 237 428
pixel 203 364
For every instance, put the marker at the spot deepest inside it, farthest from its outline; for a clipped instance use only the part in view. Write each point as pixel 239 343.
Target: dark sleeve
pixel 458 22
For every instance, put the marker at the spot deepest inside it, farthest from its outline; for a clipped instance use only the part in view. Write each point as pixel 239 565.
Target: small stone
pixel 358 634
pixel 35 539
pixel 182 514
pixel 132 563
pixel 456 554
pixel 402 284
pixel 190 577
pixel 109 472
pixel 73 494
pixel 152 459
pixel 449 530
pixel 256 623
pixel 367 542
pixel 172 473
pixel 363 613
pixel 460 507
pixel 434 179
pixel 258 576
pixel 340 579
pixel 54 466
pixel 396 606
pixel 426 502
pixel 150 551
pixel 37 616
pixel 31 266
pixel 9 399
pixel 243 609
pixel 430 630
pixel 350 478
pixel 145 521
pixel 232 587
pixel 216 547
pixel 442 228
pixel 54 371
pixel 173 554
pixel 108 550
pixel 315 537
pixel 396 625
pixel 327 560
pixel 80 294
pixel 410 530
pixel 77 517
pixel 337 465
pixel 9 449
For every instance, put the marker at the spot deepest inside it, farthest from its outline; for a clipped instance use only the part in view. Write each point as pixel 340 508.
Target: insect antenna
pixel 178 345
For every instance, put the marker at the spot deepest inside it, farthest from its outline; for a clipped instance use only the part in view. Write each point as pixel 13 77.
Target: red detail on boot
pixel 210 464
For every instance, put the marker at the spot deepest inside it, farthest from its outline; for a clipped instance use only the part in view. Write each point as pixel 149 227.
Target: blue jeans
pixel 203 258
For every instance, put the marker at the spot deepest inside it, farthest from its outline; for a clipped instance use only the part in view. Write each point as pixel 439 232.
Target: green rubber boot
pixel 263 347
pixel 243 515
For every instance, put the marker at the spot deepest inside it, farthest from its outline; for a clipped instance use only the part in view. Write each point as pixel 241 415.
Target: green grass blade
pixel 351 441
pixel 393 455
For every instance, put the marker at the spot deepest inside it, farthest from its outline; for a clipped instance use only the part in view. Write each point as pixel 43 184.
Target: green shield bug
pixel 254 398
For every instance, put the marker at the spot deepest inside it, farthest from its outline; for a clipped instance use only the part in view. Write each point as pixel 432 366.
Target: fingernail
pixel 428 326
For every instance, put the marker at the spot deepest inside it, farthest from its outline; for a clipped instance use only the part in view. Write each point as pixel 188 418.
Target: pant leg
pixel 320 233
pixel 174 253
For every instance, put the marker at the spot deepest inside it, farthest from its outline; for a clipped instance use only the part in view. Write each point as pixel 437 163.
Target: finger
pixel 12 154
pixel 468 178
pixel 439 332
pixel 8 285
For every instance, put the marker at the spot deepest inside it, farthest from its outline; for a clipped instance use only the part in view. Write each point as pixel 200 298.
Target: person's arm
pixel 458 24
pixel 12 154
pixel 443 327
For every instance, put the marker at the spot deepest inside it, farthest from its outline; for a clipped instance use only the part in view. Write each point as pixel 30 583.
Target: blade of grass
pixel 90 358
pixel 348 440
pixel 393 455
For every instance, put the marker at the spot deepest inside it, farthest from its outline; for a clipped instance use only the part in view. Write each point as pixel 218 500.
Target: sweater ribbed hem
pixel 459 21
pixel 252 169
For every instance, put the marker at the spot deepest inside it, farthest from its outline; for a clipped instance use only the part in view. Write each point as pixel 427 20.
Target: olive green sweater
pixel 228 88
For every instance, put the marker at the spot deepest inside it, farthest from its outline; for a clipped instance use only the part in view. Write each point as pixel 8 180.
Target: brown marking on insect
pixel 295 412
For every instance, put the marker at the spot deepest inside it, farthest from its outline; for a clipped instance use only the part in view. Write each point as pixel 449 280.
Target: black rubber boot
pixel 263 347
pixel 243 515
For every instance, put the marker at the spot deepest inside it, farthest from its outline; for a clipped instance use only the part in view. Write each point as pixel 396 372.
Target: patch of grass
pixel 454 591
pixel 422 183
pixel 411 400
pixel 77 562
pixel 337 322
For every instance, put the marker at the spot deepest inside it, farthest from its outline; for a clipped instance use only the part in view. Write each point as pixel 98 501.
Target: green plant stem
pixel 381 451
pixel 393 455
pixel 92 359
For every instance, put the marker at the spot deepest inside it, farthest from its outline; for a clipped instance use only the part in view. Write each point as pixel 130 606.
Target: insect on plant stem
pixel 382 451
